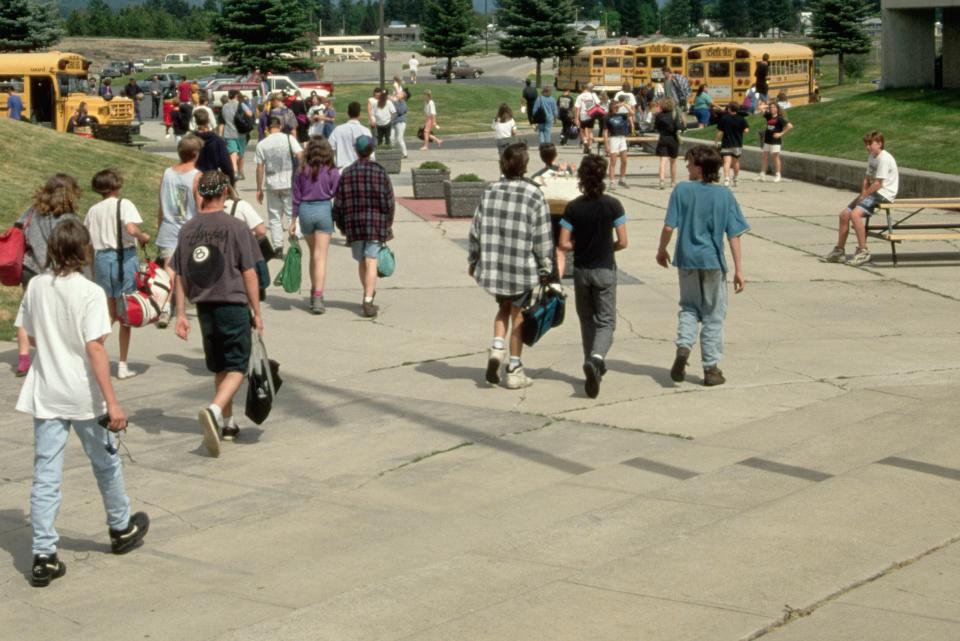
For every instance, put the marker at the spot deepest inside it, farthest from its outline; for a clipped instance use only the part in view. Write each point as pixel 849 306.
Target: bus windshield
pixel 71 84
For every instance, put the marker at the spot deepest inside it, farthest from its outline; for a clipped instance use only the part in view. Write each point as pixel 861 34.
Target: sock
pixel 514 362
pixel 217 412
pixel 318 293
pixel 498 342
pixel 368 299
pixel 229 421
pixel 23 362
pixel 122 365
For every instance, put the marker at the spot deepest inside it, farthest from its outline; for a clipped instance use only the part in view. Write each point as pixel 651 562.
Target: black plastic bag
pixel 263 381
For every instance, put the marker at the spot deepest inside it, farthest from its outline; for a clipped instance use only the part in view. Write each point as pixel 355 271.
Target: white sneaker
pixel 762 177
pixel 776 178
pixel 726 182
pixel 516 379
pixel 494 359
pixel 734 181
pixel 123 371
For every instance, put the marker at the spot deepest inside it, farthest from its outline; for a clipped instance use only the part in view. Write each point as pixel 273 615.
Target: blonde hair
pixel 59 195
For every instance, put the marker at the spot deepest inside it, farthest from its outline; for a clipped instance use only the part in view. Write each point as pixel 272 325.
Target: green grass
pixel 917 124
pixel 29 154
pixel 463 106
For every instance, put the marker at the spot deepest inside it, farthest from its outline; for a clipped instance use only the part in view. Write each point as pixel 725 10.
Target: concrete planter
pixel 462 198
pixel 428 183
pixel 390 159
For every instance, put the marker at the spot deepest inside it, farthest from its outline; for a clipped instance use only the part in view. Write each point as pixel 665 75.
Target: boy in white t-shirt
pixel 880 185
pixel 117 280
pixel 68 385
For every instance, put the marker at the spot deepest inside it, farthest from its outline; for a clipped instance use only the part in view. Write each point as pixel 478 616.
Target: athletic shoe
pixel 370 310
pixel 776 178
pixel 734 181
pixel 679 368
pixel 726 182
pixel 836 255
pixel 611 186
pixel 124 372
pixel 622 183
pixel 122 541
pixel 230 432
pixel 862 256
pixel 516 379
pixel 712 376
pixel 762 177
pixel 211 431
pixel 46 568
pixel 316 305
pixel 661 184
pixel 593 369
pixel 494 359
pixel 163 320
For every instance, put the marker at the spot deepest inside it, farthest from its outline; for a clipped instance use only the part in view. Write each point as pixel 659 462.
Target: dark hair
pixel 504 113
pixel 318 154
pixel 274 122
pixel 548 153
pixel 701 89
pixel 353 110
pixel 708 160
pixel 59 195
pixel 590 175
pixel 107 181
pixel 513 163
pixel 232 94
pixel 213 184
pixel 382 99
pixel 733 107
pixel 874 136
pixel 67 247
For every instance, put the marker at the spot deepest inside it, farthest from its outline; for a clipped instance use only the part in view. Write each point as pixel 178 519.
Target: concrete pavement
pixel 394 495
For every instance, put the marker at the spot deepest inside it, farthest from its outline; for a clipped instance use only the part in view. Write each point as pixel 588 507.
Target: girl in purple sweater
pixel 313 188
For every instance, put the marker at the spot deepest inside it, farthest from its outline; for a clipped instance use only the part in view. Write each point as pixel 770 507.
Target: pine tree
pixel 649 17
pixel 537 29
pixel 676 18
pixel 76 23
pixel 253 33
pixel 837 29
pixel 26 25
pixel 447 29
pixel 631 20
pixel 734 17
pixel 47 26
pixel 100 18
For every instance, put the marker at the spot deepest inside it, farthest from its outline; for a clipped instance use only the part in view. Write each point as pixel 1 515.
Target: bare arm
pixel 565 242
pixel 183 325
pixel 141 236
pixel 621 231
pixel 252 287
pixel 663 256
pixel 100 365
pixel 738 280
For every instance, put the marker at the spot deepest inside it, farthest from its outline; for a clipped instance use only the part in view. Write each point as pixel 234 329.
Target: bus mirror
pixel 62 64
pixel 86 65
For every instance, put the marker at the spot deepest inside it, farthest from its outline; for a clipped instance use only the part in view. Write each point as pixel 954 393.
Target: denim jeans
pixel 703 299
pixel 279 204
pixel 50 441
pixel 596 292
pixel 399 129
pixel 544 133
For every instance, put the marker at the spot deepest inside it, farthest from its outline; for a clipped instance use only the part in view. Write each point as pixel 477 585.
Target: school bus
pixel 605 67
pixel 53 84
pixel 652 58
pixel 728 70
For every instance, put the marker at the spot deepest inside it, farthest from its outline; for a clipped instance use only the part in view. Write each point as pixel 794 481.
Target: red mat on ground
pixel 431 209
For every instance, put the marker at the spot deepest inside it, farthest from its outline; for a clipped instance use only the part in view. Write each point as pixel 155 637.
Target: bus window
pixel 12 81
pixel 641 62
pixel 658 62
pixel 741 69
pixel 627 62
pixel 695 70
pixel 719 69
pixel 71 84
pixel 676 62
pixel 613 62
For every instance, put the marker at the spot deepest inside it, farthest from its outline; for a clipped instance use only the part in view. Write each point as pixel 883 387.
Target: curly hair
pixel 67 247
pixel 59 195
pixel 590 175
pixel 318 154
pixel 213 184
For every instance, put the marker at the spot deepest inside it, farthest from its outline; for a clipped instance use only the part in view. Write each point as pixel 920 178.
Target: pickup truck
pixel 270 84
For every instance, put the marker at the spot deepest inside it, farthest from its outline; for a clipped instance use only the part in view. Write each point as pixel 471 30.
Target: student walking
pixel 65 316
pixel 730 130
pixel 400 120
pixel 777 128
pixel 413 64
pixel 54 203
pixel 430 121
pixel 880 185
pixel 214 262
pixel 343 139
pixel 504 128
pixel 383 112
pixel 585 107
pixel 214 154
pixel 510 251
pixel 616 128
pixel 363 210
pixel 703 213
pixel 278 156
pixel 587 228
pixel 313 190
pixel 116 277
pixel 544 114
pixel 668 144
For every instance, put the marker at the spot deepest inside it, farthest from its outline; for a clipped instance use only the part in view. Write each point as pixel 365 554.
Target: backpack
pixel 153 287
pixel 539 114
pixel 13 245
pixel 242 121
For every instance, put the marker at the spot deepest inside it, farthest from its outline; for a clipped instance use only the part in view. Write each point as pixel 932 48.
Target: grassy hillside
pixel 29 154
pixel 918 125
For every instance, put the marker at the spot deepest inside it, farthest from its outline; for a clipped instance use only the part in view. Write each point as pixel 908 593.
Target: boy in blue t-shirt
pixel 703 213
pixel 14 104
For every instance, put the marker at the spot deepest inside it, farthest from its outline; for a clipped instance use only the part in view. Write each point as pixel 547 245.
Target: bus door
pixel 719 81
pixel 42 100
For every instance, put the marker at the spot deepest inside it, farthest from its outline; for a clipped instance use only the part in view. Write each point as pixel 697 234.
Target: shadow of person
pixel 550 374
pixel 153 420
pixel 17 540
pixel 195 366
pixel 448 372
pixel 661 375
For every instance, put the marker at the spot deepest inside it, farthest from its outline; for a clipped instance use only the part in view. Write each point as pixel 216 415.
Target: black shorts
pixel 516 300
pixel 586 124
pixel 668 147
pixel 226 331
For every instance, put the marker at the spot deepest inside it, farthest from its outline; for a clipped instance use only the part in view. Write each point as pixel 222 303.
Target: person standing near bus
pixel 763 68
pixel 616 128
pixel 584 105
pixel 730 130
pixel 14 104
pixel 677 88
pixel 777 128
pixel 564 112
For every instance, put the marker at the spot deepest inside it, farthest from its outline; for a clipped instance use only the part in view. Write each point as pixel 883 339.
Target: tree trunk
pixel 539 63
pixel 840 70
pixel 449 70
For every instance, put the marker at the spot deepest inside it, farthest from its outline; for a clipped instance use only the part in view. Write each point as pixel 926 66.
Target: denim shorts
pixel 868 204
pixel 107 274
pixel 316 216
pixel 365 249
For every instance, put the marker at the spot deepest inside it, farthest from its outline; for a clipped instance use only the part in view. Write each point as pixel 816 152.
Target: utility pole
pixel 486 29
pixel 383 53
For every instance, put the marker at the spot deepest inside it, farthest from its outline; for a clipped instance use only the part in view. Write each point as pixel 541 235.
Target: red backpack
pixel 13 245
pixel 142 307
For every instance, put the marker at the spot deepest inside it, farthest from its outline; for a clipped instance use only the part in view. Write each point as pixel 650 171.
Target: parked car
pixel 164 77
pixel 459 69
pixel 209 61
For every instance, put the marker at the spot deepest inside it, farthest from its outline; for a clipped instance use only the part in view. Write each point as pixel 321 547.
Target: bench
pixel 897 231
pixel 632 142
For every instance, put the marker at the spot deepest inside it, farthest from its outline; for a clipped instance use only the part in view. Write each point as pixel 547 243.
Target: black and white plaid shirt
pixel 510 239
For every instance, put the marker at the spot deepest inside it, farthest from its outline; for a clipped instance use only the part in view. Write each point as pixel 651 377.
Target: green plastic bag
pixel 290 275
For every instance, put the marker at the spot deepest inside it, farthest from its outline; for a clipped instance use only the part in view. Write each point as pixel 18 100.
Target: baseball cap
pixel 364 143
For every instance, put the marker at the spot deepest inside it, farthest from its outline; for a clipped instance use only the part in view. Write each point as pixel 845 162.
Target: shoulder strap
pixel 119 243
pixel 233 207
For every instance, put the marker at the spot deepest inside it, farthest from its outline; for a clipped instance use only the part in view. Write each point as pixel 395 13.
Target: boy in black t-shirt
pixel 585 229
pixel 730 130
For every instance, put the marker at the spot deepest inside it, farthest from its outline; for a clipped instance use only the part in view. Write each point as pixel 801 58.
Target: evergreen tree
pixel 676 18
pixel 649 17
pixel 76 23
pixel 537 29
pixel 99 18
pixel 253 33
pixel 47 24
pixel 837 29
pixel 631 20
pixel 27 25
pixel 447 29
pixel 370 19
pixel 734 17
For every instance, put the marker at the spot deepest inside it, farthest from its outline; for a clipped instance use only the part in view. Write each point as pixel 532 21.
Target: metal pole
pixel 383 56
pixel 486 29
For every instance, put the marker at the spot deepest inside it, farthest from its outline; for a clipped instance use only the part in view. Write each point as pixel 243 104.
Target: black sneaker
pixel 46 568
pixel 122 541
pixel 593 369
pixel 229 432
pixel 679 369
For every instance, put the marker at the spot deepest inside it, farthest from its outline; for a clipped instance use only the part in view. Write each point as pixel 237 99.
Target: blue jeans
pixel 50 441
pixel 703 300
pixel 544 132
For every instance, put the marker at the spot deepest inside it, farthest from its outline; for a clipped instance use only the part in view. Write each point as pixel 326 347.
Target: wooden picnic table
pixel 897 230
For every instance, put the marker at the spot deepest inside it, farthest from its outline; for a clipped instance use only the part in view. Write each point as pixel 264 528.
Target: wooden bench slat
pixel 898 237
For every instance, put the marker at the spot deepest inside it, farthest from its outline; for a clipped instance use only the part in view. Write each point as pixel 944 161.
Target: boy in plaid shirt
pixel 511 251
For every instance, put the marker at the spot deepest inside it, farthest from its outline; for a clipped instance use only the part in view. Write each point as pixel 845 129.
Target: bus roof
pixel 757 49
pixel 47 62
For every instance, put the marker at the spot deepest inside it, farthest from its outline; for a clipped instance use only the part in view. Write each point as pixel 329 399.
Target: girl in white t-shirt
pixel 117 280
pixel 66 318
pixel 504 127
pixel 429 121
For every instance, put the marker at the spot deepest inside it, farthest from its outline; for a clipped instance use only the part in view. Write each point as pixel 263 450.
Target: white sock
pixel 498 342
pixel 514 362
pixel 217 412
pixel 122 365
pixel 230 421
pixel 368 299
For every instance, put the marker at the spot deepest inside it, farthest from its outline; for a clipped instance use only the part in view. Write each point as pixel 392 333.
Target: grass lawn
pixel 29 154
pixel 915 122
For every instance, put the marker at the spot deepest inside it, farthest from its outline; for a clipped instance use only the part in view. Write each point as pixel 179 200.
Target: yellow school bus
pixel 605 67
pixel 652 58
pixel 728 70
pixel 53 84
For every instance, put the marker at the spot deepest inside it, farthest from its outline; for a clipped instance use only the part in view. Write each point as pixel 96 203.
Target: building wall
pixel 908 48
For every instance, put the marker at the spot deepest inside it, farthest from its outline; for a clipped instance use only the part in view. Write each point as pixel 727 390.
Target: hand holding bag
pixel 263 382
pixel 290 275
pixel 547 310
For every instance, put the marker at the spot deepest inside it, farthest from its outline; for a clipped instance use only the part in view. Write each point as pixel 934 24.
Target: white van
pixel 340 52
pixel 177 58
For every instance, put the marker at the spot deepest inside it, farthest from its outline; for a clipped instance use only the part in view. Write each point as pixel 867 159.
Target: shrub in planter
pixel 463 194
pixel 428 179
